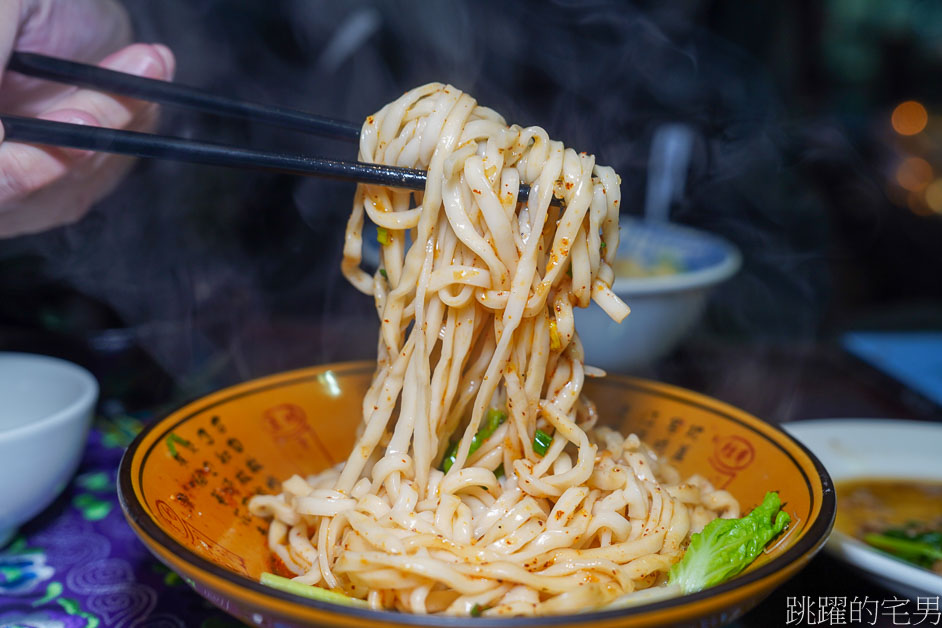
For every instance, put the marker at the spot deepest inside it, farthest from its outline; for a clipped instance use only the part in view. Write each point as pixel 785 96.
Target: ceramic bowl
pixel 185 481
pixel 877 448
pixel 664 308
pixel 45 412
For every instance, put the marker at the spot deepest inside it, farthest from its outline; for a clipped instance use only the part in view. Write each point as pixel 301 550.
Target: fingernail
pixel 139 59
pixel 170 62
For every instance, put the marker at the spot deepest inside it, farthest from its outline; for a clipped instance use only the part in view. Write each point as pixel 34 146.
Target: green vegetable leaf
pixel 920 549
pixel 541 442
pixel 315 593
pixel 489 425
pixel 727 546
pixel 499 471
pixel 382 271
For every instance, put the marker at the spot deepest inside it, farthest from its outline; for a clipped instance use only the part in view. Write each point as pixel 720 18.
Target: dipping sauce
pixel 907 509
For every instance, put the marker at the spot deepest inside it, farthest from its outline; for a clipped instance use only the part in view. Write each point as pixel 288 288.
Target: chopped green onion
pixel 382 236
pixel 496 417
pixel 499 471
pixel 569 270
pixel 450 454
pixel 602 245
pixel 490 424
pixel 476 610
pixel 382 271
pixel 541 442
pixel 309 591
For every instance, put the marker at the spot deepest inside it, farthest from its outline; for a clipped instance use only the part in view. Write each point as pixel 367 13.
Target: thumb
pixel 9 25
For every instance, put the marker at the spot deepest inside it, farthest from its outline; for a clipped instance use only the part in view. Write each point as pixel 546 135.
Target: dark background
pixel 188 278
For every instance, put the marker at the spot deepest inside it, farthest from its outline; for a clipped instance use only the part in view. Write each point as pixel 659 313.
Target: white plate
pixel 854 448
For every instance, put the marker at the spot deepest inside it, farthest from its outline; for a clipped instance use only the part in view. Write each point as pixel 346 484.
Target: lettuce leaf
pixel 727 546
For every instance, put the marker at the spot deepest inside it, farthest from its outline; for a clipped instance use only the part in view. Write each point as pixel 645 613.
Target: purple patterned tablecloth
pixel 79 565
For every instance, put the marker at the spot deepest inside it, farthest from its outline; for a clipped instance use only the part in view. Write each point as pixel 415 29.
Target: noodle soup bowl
pixel 186 480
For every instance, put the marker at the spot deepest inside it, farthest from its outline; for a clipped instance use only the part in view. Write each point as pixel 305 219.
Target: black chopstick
pixel 33 131
pixel 147 145
pixel 83 75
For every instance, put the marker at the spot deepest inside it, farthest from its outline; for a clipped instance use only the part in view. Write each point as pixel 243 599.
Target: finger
pixel 81 30
pixel 70 116
pixel 63 197
pixel 150 61
pixel 26 169
pixel 170 61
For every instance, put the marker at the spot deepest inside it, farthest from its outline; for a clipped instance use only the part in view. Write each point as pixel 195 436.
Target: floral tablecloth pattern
pixel 79 565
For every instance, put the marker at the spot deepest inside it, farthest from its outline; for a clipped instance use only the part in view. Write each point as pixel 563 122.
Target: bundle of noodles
pixel 478 483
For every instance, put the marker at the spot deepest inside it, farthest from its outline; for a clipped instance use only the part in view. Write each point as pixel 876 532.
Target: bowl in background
pixel 45 411
pixel 664 307
pixel 855 449
pixel 184 484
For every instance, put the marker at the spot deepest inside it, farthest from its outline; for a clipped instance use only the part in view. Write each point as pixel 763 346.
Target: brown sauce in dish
pixel 866 505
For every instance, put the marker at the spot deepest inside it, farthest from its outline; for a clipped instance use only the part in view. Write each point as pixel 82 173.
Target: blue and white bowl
pixel 664 307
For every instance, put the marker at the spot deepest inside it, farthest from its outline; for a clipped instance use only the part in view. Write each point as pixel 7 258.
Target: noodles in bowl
pixel 480 483
pixel 185 481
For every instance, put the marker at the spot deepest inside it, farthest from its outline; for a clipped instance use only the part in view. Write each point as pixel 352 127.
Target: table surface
pixel 79 564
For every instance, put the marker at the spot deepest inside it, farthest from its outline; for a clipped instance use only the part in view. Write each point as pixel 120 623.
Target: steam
pixel 218 270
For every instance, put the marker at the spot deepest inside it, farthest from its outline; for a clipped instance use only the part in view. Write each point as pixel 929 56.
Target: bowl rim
pixel 74 409
pixel 812 541
pixel 894 573
pixel 682 281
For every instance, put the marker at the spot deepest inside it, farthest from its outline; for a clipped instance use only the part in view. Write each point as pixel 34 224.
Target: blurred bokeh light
pixel 909 118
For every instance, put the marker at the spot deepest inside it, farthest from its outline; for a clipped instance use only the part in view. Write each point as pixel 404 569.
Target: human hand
pixel 44 187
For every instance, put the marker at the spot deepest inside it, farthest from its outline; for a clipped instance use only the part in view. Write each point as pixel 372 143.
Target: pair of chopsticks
pixel 147 145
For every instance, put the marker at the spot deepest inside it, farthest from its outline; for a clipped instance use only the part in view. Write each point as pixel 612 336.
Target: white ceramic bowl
pixel 663 308
pixel 876 448
pixel 45 411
